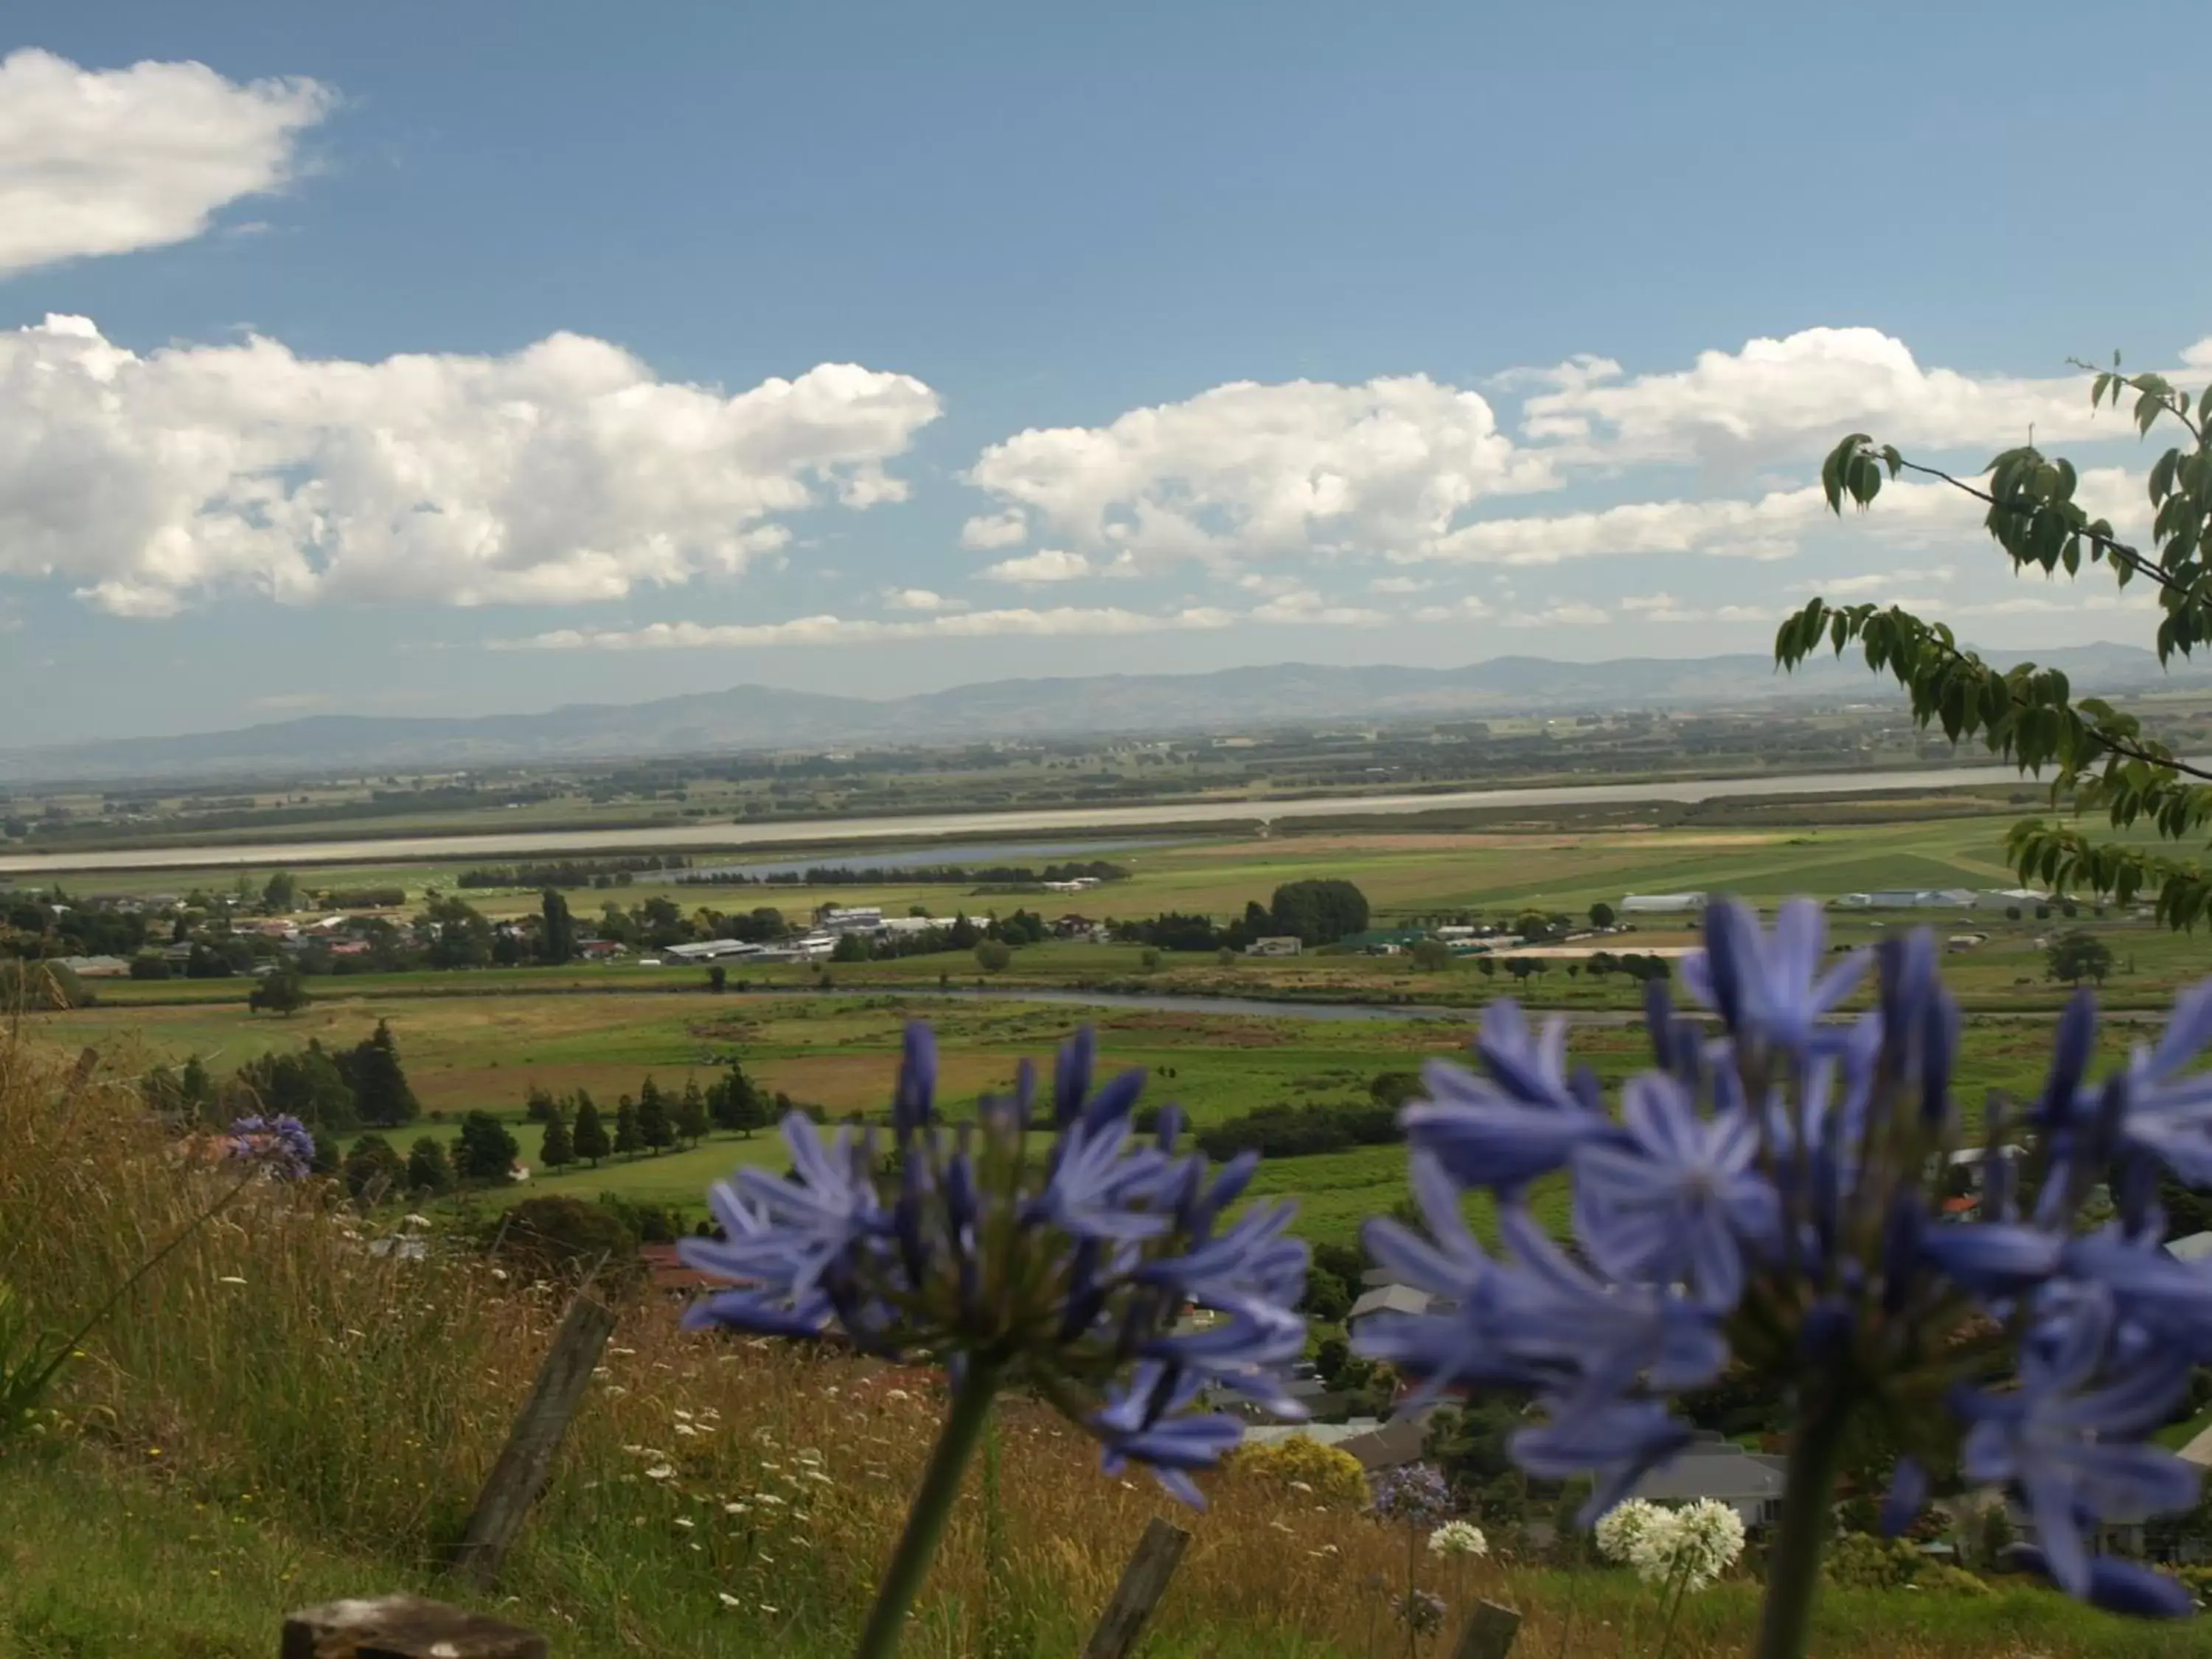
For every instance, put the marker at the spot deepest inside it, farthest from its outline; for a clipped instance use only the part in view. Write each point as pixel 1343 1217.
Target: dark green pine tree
pixel 486 1149
pixel 429 1169
pixel 626 1137
pixel 557 1150
pixel 654 1126
pixel 559 943
pixel 737 1102
pixel 691 1113
pixel 380 1092
pixel 590 1139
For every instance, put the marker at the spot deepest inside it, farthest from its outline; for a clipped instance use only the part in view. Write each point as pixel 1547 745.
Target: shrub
pixel 39 986
pixel 1865 1562
pixel 1945 1579
pixel 1334 1473
pixel 555 1236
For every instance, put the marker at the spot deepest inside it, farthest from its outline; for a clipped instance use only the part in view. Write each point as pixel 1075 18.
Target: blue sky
pixel 439 359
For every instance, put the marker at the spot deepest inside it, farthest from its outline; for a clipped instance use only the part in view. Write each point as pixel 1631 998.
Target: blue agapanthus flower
pixel 1059 1252
pixel 1415 1494
pixel 281 1144
pixel 1774 1195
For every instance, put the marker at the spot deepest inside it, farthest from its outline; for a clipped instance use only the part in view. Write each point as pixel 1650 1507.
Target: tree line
pixel 1320 911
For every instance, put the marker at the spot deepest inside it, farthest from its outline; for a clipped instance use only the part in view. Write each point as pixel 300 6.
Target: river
pixel 1079 820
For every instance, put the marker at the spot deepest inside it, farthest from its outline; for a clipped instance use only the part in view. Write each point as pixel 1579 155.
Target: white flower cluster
pixel 1621 1528
pixel 1691 1546
pixel 1458 1538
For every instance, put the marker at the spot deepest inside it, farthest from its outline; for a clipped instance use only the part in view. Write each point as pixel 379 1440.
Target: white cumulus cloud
pixel 1564 613
pixel 1796 396
pixel 1769 526
pixel 1050 564
pixel 989 531
pixel 921 598
pixel 1247 470
pixel 1306 608
pixel 105 160
pixel 562 473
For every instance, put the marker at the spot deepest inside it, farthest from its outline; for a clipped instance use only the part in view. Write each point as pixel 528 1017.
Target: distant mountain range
pixel 762 717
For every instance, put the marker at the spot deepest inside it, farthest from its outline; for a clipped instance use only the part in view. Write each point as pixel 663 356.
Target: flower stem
pixel 1674 1609
pixel 1793 1565
pixel 933 1506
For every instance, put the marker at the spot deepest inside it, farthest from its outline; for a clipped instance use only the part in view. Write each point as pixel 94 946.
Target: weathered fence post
pixel 1144 1581
pixel 520 1475
pixel 1489 1633
pixel 403 1627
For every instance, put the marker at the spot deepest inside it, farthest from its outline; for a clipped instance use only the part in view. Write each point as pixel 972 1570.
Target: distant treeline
pixel 1313 912
pixel 1301 1131
pixel 364 898
pixel 574 872
pixel 954 875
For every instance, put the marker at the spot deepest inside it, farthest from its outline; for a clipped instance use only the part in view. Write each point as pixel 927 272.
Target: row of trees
pixel 330 1091
pixel 1316 912
pixel 653 1120
pixel 483 1155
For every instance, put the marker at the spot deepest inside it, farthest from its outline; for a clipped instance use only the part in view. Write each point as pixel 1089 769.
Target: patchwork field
pixel 484 1053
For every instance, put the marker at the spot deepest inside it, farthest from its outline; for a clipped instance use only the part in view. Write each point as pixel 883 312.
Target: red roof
pixel 665 1270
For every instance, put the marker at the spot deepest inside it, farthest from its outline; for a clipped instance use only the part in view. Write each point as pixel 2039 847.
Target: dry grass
pixel 272 1365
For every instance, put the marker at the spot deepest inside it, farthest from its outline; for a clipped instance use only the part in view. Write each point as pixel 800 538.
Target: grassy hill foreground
pixel 275 1416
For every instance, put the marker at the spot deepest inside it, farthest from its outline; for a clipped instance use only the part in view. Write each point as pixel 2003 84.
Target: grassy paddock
pixel 466 1054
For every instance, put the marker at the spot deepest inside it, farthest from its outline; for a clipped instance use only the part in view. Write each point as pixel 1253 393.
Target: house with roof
pixel 1750 1483
pixel 1379 1444
pixel 96 967
pixel 1391 1299
pixel 2191 1247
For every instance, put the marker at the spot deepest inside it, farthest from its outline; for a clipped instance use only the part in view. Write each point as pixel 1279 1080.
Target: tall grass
pixel 716 1495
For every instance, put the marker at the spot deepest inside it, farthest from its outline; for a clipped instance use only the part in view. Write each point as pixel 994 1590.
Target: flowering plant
pixel 1774 1193
pixel 1691 1547
pixel 1072 1270
pixel 1458 1538
pixel 283 1145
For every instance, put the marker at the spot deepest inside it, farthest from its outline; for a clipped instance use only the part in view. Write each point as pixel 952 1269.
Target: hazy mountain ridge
pixel 757 717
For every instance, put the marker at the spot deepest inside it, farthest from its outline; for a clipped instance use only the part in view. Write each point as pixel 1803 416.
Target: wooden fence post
pixel 1144 1581
pixel 403 1627
pixel 521 1473
pixel 1489 1633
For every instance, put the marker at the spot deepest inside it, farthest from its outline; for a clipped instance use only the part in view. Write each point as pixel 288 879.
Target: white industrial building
pixel 1663 904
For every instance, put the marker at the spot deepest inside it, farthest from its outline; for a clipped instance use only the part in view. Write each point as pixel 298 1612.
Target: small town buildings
pixel 1911 898
pixel 713 950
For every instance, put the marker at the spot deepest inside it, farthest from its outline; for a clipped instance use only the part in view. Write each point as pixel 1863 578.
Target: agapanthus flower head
pixel 282 1145
pixel 1620 1531
pixel 1691 1547
pixel 1459 1538
pixel 1413 1494
pixel 1102 1270
pixel 1774 1194
pixel 1421 1611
